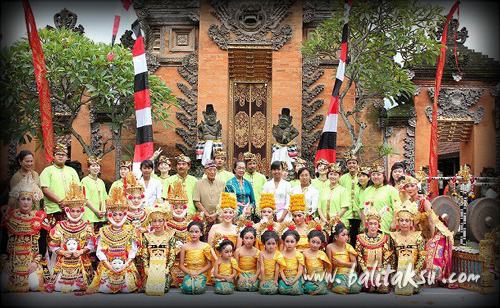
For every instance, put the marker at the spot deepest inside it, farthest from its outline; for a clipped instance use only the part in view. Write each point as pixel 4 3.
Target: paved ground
pixel 430 297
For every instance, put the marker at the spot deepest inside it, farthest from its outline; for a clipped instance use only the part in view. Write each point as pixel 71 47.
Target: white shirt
pixel 311 196
pixel 152 191
pixel 281 196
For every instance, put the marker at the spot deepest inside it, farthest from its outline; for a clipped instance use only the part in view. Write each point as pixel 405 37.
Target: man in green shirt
pixel 350 181
pixel 255 178
pixel 220 162
pixel 55 180
pixel 188 181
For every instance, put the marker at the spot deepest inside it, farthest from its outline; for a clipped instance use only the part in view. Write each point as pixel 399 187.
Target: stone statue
pixel 285 149
pixel 209 135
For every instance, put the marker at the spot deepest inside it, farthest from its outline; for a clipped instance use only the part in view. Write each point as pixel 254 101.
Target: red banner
pixel 41 82
pixel 433 156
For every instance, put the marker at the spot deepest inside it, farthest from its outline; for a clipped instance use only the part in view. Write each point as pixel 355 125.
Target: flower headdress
pixel 116 200
pixel 316 224
pixel 132 186
pixel 299 161
pixel 267 200
pixel 408 209
pixel 364 169
pixel 220 152
pixel 378 168
pixel 349 156
pixel 27 187
pixel 92 160
pixel 228 200
pixel 408 179
pixel 183 158
pixel 164 159
pixel 322 161
pixel 249 156
pixel 75 196
pixel 371 211
pixel 297 203
pixel 333 167
pixel 158 210
pixel 60 148
pixel 126 164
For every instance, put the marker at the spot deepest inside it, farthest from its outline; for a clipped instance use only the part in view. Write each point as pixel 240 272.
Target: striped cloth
pixel 327 147
pixel 126 4
pixel 144 136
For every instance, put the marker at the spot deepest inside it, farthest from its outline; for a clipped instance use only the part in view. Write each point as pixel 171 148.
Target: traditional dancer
pixel 72 240
pixel 137 215
pixel 299 211
pixel 117 246
pixel 291 275
pixel 317 264
pixel 225 269
pixel 267 210
pixel 23 240
pixel 158 252
pixel 226 229
pixel 247 257
pixel 271 262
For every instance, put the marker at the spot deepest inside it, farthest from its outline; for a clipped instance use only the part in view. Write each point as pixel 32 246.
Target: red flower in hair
pixel 249 224
pixel 270 228
pixel 291 227
pixel 225 237
pixel 319 228
pixel 124 213
pixel 196 218
pixel 156 205
pixel 83 209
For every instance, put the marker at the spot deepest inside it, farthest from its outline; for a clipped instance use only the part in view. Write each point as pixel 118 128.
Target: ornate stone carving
pixel 12 164
pixel 462 34
pixel 210 128
pixel 455 103
pixel 127 40
pixel 188 116
pixel 284 132
pixel 95 139
pixel 308 10
pixel 409 146
pixel 310 74
pixel 250 22
pixel 494 91
pixel 416 91
pixel 67 19
pixel 152 61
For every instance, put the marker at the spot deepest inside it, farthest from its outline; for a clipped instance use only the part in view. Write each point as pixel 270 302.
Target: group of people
pixel 233 230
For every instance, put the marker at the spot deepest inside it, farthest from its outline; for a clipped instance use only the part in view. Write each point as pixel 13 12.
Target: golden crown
pixel 158 210
pixel 183 158
pixel 378 168
pixel 164 159
pixel 267 200
pixel 60 148
pixel 364 169
pixel 464 173
pixel 408 179
pixel 116 200
pixel 284 165
pixel 177 194
pixel 316 224
pixel 126 164
pixel 420 174
pixel 27 187
pixel 349 156
pixel 75 196
pixel 322 161
pixel 131 185
pixel 407 209
pixel 297 203
pixel 371 212
pixel 249 156
pixel 220 152
pixel 333 167
pixel 228 200
pixel 92 160
pixel 299 161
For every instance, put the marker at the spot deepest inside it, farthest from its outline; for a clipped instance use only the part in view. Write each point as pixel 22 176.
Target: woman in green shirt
pixel 335 200
pixel 125 167
pixel 95 192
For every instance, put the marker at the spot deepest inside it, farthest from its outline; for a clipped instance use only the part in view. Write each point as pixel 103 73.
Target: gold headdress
pixel 378 168
pixel 249 156
pixel 158 210
pixel 364 169
pixel 299 161
pixel 92 160
pixel 371 212
pixel 27 187
pixel 219 152
pixel 60 148
pixel 183 158
pixel 267 200
pixel 75 196
pixel 464 173
pixel 284 165
pixel 349 156
pixel 333 167
pixel 116 200
pixel 164 159
pixel 228 200
pixel 126 164
pixel 408 179
pixel 420 175
pixel 408 209
pixel 177 194
pixel 131 185
pixel 297 203
pixel 322 161
pixel 316 224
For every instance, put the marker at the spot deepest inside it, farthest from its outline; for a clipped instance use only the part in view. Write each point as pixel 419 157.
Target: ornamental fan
pixel 75 196
pixel 116 200
pixel 297 203
pixel 132 186
pixel 267 200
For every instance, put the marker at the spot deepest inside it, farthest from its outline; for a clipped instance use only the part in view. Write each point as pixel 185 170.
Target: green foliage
pixel 78 72
pixel 379 30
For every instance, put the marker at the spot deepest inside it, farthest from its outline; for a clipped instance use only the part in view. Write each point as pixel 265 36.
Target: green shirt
pixel 188 184
pixel 339 198
pixel 95 191
pixel 350 183
pixel 385 196
pixel 222 175
pixel 57 180
pixel 294 182
pixel 321 186
pixel 117 183
pixel 257 180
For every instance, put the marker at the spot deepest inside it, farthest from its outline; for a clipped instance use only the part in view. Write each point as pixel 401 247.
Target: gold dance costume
pixel 248 268
pixel 290 271
pixel 226 269
pixel 341 282
pixel 158 257
pixel 196 259
pixel 371 251
pixel 316 268
pixel 409 252
pixel 267 286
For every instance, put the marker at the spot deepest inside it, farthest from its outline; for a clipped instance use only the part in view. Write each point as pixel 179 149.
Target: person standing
pixel 281 189
pixel 55 181
pixel 220 161
pixel 188 181
pixel 125 167
pixel 25 161
pixel 243 190
pixel 152 187
pixel 255 178
pixel 95 192
pixel 350 181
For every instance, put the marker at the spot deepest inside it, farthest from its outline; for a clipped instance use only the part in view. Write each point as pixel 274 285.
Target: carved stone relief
pixel 95 139
pixel 250 22
pixel 455 103
pixel 310 134
pixel 495 92
pixel 67 19
pixel 409 146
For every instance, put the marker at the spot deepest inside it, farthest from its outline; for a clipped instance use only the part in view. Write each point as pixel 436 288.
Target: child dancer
pixel 291 276
pixel 343 258
pixel 225 268
pixel 271 262
pixel 247 257
pixel 195 260
pixel 317 264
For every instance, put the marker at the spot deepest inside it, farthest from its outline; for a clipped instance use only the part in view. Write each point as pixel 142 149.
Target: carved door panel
pixel 250 129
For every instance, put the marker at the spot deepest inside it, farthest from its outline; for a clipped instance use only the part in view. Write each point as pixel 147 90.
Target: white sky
pixel 481 18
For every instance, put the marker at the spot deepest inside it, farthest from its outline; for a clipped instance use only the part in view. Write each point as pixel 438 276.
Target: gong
pixel 446 205
pixel 483 215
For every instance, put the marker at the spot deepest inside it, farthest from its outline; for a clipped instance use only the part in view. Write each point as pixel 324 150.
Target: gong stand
pixel 464 203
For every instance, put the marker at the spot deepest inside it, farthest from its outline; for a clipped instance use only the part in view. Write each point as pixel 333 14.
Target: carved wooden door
pixel 250 127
